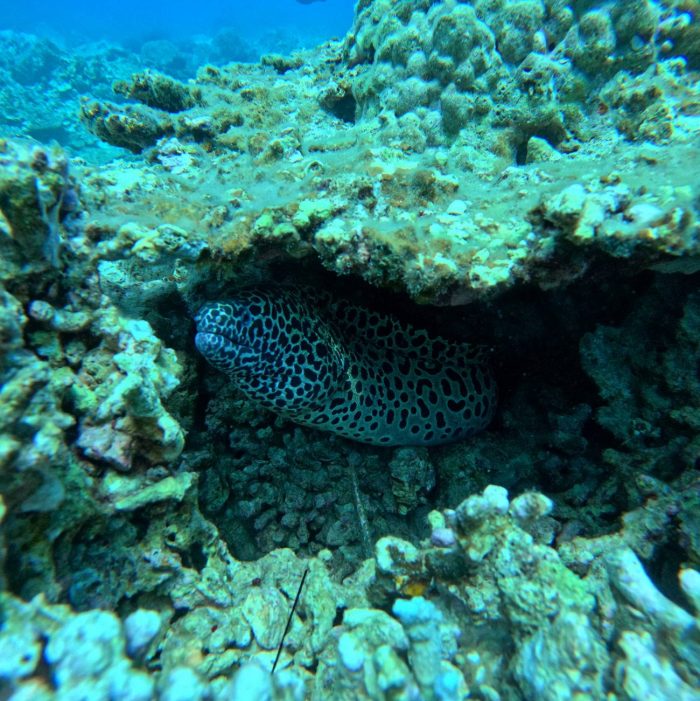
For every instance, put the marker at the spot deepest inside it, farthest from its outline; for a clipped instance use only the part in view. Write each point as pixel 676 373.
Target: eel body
pixel 338 367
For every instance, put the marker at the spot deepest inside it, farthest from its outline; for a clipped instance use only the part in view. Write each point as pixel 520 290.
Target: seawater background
pixel 53 54
pixel 131 22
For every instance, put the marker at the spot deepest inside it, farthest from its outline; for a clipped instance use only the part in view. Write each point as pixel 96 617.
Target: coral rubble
pixel 163 537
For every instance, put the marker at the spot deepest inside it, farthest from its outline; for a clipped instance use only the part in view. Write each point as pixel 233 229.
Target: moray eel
pixel 332 365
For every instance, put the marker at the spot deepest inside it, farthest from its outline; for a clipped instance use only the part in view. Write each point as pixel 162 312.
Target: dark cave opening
pixel 553 134
pixel 345 108
pixel 341 105
pixel 195 556
pixel 663 570
pixel 548 405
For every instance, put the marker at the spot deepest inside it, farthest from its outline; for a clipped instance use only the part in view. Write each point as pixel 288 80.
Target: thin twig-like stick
pixel 365 536
pixel 289 620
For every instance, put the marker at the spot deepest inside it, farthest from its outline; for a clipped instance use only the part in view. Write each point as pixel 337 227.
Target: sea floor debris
pixel 518 174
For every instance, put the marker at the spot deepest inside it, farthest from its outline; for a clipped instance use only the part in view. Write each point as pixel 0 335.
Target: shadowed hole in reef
pixel 535 336
pixel 178 614
pixel 663 569
pixel 202 398
pixel 338 618
pixel 553 135
pixel 195 557
pixel 345 108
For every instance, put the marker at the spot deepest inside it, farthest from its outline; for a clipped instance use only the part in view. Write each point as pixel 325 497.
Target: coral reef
pixel 35 192
pixel 496 613
pixel 42 79
pixel 519 154
pixel 79 380
pixel 661 411
pixel 41 83
pixel 164 537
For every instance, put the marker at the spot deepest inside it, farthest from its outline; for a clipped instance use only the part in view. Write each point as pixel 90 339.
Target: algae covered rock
pixel 566 657
pixel 35 193
pixel 476 54
pixel 163 538
pixel 158 91
pixel 131 127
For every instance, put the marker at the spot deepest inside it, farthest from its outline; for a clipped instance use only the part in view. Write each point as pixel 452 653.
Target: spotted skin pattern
pixel 326 363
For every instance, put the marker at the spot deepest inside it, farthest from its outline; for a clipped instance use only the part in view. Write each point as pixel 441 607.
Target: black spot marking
pixel 456 405
pixel 476 380
pixel 424 411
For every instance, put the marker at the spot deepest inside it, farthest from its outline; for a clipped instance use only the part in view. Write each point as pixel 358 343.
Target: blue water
pixel 132 21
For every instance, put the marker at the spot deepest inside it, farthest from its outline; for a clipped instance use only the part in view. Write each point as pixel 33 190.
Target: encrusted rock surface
pixel 536 158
